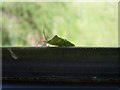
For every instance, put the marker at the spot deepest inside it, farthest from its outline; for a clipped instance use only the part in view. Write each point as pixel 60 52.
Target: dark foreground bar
pixel 60 66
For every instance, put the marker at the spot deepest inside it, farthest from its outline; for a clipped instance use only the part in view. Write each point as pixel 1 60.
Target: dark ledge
pixel 61 65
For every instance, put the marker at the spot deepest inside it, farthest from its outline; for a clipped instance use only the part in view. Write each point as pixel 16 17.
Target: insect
pixel 56 41
pixel 59 42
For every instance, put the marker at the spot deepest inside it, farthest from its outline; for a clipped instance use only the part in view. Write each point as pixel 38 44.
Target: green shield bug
pixel 59 42
pixel 56 41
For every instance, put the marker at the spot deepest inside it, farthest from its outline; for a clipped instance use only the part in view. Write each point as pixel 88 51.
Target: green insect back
pixel 59 42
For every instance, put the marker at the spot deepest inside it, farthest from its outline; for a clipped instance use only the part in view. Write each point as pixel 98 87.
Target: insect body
pixel 59 42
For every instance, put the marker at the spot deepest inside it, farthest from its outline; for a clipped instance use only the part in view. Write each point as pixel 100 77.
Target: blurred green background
pixel 84 24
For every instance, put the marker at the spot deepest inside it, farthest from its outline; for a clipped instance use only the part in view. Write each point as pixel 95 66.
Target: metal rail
pixel 70 66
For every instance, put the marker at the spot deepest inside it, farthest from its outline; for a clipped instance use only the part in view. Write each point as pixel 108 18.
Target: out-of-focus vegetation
pixel 84 24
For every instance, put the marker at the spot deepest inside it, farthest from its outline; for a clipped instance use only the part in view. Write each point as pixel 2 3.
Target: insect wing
pixel 59 41
pixel 67 43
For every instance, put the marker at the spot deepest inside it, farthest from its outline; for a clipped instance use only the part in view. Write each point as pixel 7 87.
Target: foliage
pixel 85 24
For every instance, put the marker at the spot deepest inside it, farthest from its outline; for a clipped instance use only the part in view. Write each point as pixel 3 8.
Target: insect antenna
pixel 43 41
pixel 44 35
